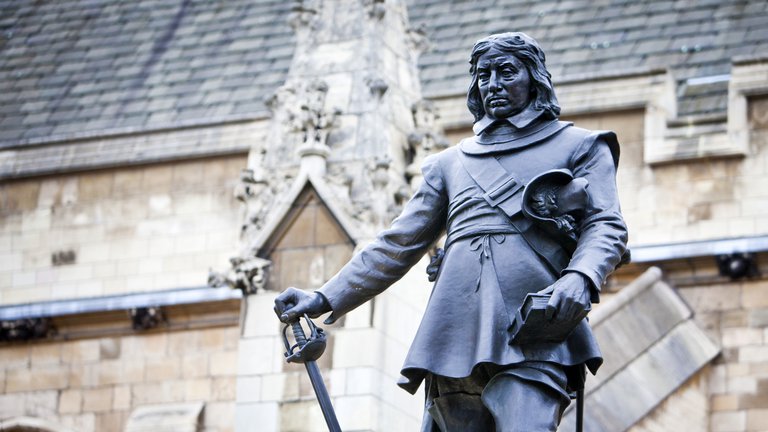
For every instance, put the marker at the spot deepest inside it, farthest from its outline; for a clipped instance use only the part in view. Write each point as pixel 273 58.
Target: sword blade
pixel 322 396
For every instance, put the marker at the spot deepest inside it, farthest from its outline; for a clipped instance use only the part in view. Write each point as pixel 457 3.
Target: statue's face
pixel 504 83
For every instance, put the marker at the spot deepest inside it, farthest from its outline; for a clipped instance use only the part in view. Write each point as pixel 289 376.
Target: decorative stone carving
pixel 63 257
pixel 302 14
pixel 376 9
pixel 286 114
pixel 426 137
pixel 26 329
pixel 418 40
pixel 388 195
pixel 147 318
pixel 377 85
pixel 256 195
pixel 314 122
pixel 246 274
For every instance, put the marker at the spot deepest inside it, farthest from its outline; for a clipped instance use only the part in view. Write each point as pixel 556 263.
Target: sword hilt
pixel 298 333
pixel 306 348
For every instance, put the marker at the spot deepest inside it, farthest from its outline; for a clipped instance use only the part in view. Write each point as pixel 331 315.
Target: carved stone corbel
pixel 249 275
pixel 377 85
pixel 25 329
pixel 147 318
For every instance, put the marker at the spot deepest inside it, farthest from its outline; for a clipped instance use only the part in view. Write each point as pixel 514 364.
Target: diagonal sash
pixel 504 191
pixel 501 188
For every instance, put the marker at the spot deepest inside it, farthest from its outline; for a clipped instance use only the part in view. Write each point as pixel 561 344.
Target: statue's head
pixel 502 66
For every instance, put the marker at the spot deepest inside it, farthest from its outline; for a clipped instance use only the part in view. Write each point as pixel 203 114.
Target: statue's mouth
pixel 497 102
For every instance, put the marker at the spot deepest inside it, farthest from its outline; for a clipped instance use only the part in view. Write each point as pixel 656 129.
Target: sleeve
pixel 603 238
pixel 395 250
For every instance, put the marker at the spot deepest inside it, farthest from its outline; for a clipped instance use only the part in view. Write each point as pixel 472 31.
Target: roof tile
pixel 107 54
pixel 94 65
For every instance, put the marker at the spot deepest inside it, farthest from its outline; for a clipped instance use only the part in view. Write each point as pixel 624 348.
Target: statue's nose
pixel 493 82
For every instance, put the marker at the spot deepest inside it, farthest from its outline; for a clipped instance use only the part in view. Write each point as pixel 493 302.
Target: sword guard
pixel 306 348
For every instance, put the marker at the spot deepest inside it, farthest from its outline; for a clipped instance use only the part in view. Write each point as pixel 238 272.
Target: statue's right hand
pixel 293 303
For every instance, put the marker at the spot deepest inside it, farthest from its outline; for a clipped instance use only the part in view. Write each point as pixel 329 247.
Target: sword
pixel 307 351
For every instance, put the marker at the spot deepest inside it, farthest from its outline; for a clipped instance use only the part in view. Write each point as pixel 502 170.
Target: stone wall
pixel 116 231
pixel 736 314
pixel 94 384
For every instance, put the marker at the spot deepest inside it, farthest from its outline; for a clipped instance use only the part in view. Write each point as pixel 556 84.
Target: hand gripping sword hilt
pixel 306 348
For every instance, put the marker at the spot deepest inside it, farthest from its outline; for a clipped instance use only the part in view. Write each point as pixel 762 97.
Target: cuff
pixel 593 283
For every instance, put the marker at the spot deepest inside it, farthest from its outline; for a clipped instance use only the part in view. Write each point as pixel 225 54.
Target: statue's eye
pixel 508 72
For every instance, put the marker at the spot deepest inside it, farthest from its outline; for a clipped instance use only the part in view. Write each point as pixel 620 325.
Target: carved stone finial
pixel 313 121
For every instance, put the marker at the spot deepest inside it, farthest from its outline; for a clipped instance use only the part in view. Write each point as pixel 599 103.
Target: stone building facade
pixel 166 168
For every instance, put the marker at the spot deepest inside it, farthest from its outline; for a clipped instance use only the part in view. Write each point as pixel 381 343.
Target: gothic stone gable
pixel 308 246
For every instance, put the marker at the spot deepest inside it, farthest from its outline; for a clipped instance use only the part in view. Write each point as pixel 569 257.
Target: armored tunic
pixel 490 264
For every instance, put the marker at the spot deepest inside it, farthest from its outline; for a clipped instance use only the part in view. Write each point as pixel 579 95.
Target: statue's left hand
pixel 570 297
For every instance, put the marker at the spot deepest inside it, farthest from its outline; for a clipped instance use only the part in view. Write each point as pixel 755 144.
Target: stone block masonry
pixel 93 385
pixel 125 230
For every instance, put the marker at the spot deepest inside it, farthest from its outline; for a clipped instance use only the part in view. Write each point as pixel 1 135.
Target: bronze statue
pixel 566 242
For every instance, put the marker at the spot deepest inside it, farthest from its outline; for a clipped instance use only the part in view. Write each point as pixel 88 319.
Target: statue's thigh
pixel 454 404
pixel 520 404
pixel 460 412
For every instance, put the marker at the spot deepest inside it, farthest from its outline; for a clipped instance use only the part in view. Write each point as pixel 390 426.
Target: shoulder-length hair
pixel 525 49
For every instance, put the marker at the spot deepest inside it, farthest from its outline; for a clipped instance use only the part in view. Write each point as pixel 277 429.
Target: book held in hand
pixel 530 324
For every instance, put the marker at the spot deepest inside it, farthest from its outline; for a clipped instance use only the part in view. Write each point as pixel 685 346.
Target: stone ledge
pixel 131 149
pixel 180 309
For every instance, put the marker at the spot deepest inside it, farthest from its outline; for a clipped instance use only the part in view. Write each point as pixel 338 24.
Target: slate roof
pixel 603 37
pixel 73 68
pixel 69 67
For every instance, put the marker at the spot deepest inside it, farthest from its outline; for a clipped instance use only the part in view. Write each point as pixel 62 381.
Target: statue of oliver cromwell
pixel 529 205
